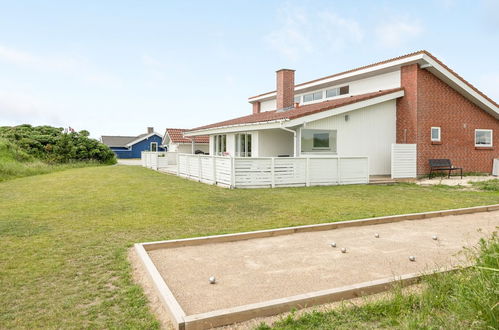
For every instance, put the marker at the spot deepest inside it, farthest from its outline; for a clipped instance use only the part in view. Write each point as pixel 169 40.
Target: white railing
pixel 274 171
pixel 154 160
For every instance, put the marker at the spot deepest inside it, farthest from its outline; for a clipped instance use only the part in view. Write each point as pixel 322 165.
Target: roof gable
pixel 422 57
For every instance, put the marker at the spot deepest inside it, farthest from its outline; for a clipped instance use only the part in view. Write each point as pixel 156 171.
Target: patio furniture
pixel 443 165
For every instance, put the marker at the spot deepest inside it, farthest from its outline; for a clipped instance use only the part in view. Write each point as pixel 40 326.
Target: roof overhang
pixel 424 60
pixel 339 79
pixel 297 121
pixel 143 138
pixel 464 89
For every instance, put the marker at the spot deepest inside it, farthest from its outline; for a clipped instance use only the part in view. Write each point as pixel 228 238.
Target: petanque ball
pixel 212 280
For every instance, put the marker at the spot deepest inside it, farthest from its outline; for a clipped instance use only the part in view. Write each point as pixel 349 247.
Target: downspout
pixel 294 138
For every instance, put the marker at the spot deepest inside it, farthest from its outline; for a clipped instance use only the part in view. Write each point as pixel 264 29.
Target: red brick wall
pixel 407 105
pixel 285 88
pixel 256 107
pixel 438 105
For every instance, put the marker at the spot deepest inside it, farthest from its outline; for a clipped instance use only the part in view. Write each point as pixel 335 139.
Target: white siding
pixel 186 148
pixel 268 105
pixel 404 160
pixel 275 142
pixel 373 84
pixel 361 86
pixel 368 132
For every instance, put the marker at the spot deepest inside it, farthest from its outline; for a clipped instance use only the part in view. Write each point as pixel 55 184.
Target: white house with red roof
pixel 175 141
pixel 412 101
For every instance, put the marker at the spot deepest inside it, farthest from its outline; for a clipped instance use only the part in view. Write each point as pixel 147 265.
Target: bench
pixel 443 165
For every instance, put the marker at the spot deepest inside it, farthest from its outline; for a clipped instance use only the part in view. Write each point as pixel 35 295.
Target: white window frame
pixel 439 139
pixel 150 146
pixel 319 150
pixel 491 137
pixel 245 152
pixel 324 94
pixel 219 140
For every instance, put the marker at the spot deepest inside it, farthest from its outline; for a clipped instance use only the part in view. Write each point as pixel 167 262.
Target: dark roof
pixel 299 111
pixel 177 136
pixel 392 60
pixel 119 141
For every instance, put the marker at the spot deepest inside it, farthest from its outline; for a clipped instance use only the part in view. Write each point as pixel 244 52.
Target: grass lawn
pixel 65 235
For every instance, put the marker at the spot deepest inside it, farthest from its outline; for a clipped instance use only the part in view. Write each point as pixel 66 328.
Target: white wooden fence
pixel 404 161
pixel 155 160
pixel 274 172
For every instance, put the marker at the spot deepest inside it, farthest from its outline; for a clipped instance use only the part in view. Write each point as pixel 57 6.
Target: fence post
pixel 199 168
pixel 188 166
pixel 178 163
pixel 272 171
pixel 214 169
pixel 339 169
pixel 307 170
pixel 233 172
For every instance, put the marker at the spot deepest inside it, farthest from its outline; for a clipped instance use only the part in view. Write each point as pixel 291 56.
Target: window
pixel 154 146
pixel 318 141
pixel 332 92
pixel 297 99
pixel 220 144
pixel 243 145
pixel 312 97
pixel 483 138
pixel 344 90
pixel 435 134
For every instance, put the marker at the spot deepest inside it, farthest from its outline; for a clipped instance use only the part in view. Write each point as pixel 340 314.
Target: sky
pixel 117 67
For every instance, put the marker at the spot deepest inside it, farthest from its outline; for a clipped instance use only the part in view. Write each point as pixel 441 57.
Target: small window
pixel 318 141
pixel 332 92
pixel 435 134
pixel 297 99
pixel 317 95
pixel 154 146
pixel 483 138
pixel 308 97
pixel 312 97
pixel 344 90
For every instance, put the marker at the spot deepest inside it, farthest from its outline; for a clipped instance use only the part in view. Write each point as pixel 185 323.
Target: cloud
pixel 396 33
pixel 22 107
pixel 300 28
pixel 77 67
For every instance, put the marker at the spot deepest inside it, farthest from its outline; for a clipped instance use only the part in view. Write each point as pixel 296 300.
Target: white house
pixel 175 141
pixel 364 112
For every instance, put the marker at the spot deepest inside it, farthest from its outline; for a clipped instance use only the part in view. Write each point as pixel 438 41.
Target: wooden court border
pixel 231 315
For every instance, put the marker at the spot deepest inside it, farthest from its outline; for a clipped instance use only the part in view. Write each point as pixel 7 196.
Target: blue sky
pixel 116 67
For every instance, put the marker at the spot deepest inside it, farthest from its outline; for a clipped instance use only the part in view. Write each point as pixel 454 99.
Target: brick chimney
pixel 256 107
pixel 285 88
pixel 150 130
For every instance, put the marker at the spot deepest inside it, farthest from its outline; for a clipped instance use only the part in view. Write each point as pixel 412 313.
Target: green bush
pixel 52 145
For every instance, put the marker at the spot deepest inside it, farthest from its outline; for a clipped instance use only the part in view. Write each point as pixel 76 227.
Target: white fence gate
pixel 274 172
pixel 154 160
pixel 404 161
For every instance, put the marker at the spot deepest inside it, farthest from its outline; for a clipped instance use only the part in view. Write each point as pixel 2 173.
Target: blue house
pixel 132 146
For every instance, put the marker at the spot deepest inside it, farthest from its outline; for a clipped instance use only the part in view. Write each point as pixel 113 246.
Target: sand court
pixel 262 269
pixel 252 271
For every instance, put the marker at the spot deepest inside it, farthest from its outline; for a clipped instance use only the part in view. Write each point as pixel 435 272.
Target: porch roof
pixel 296 112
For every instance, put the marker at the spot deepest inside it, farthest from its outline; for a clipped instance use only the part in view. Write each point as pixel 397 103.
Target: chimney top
pixel 285 88
pixel 150 130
